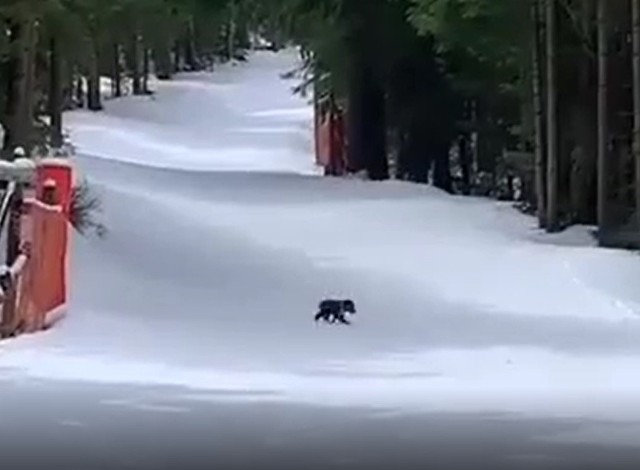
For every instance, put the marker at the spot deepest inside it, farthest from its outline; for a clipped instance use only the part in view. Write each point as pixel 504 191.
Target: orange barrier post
pixel 44 285
pixel 324 141
pixel 330 140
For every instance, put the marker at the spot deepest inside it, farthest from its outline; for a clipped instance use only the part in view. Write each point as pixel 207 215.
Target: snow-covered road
pixel 190 335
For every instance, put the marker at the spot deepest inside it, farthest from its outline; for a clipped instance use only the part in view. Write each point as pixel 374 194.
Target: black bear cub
pixel 331 310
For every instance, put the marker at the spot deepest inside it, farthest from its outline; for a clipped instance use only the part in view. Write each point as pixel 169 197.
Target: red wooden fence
pixel 38 287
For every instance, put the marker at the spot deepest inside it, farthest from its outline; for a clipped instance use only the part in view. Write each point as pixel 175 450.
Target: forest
pixel 531 101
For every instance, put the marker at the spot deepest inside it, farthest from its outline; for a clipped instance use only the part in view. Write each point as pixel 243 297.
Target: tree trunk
pixel 465 162
pixel 552 118
pixel 402 157
pixel 538 122
pixel 603 127
pixel 442 167
pixel 190 58
pixel 232 30
pixel 367 126
pixel 375 129
pixel 67 78
pixel 355 118
pixel 79 89
pixel 20 86
pixel 162 62
pixel 134 63
pixel 635 5
pixel 94 100
pixel 55 93
pixel 145 70
pixel 419 153
pixel 583 119
pixel 366 123
pixel 116 73
pixel 27 90
pixel 177 57
pixel 12 93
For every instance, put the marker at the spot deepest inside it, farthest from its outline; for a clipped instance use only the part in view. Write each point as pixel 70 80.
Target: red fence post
pixel 56 171
pixel 54 237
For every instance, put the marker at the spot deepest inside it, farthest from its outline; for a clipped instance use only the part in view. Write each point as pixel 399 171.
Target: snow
pixel 206 122
pixel 222 240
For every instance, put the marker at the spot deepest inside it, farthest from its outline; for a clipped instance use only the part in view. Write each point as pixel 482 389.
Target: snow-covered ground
pixel 476 338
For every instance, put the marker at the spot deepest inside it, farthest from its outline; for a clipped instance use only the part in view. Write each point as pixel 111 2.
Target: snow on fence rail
pixel 34 223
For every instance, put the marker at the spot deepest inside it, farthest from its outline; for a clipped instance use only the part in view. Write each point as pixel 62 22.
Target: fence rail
pixel 6 201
